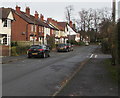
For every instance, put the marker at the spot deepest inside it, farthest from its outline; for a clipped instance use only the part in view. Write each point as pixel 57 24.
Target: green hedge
pixel 73 42
pixel 18 50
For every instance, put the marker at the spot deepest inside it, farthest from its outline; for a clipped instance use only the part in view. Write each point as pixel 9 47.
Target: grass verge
pixel 112 70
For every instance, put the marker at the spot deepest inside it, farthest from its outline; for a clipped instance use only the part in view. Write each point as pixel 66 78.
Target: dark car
pixel 62 47
pixel 69 46
pixel 38 51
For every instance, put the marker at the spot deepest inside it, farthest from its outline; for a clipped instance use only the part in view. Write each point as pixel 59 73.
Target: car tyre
pixel 29 56
pixel 44 55
pixel 48 55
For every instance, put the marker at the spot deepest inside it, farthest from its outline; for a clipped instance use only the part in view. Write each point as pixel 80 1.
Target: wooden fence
pixel 4 50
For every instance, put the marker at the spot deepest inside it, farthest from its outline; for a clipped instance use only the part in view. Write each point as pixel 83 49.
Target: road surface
pixel 42 77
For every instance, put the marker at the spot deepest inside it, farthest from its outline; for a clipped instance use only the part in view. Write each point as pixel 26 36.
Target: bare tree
pixel 69 13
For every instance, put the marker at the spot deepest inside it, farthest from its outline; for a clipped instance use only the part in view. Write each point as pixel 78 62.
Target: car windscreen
pixel 60 45
pixel 36 47
pixel 68 44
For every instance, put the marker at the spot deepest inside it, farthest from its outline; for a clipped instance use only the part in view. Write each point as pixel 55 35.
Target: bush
pixel 81 43
pixel 18 50
pixel 14 43
pixel 105 46
pixel 13 51
pixel 73 42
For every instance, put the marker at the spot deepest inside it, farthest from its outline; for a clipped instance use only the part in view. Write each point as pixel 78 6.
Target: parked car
pixel 62 47
pixel 86 44
pixel 38 51
pixel 69 46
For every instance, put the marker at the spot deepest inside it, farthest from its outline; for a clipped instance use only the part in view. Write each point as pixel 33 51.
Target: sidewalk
pixel 8 59
pixel 92 80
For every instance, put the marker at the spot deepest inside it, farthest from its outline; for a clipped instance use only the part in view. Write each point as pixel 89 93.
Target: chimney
pixel 74 26
pixel 28 11
pixel 41 17
pixel 17 8
pixel 71 25
pixel 36 15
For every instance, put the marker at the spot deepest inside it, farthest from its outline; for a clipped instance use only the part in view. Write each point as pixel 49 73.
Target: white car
pixel 86 44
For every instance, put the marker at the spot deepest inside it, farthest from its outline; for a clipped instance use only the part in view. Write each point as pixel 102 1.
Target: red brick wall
pixel 18 26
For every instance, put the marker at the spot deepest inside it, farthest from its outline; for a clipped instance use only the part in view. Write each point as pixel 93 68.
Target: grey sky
pixel 56 10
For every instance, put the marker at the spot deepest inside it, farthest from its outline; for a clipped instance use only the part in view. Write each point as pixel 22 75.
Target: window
pixel 5 41
pixel 42 29
pixel 31 28
pixel 39 29
pixel 35 28
pixel 5 23
pixel 9 23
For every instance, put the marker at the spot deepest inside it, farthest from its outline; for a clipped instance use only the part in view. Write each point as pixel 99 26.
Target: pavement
pixel 92 80
pixel 8 59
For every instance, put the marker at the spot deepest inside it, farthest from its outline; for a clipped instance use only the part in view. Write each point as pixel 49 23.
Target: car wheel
pixel 44 55
pixel 29 56
pixel 48 55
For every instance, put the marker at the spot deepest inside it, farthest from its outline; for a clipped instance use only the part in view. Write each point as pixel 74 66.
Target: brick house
pixel 27 27
pixel 49 30
pixel 24 25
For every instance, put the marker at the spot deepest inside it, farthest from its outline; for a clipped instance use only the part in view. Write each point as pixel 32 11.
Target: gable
pixel 71 30
pixel 10 16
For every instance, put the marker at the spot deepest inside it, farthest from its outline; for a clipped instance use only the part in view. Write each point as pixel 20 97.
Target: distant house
pixel 66 31
pixel 49 30
pixel 72 33
pixel 60 35
pixel 5 25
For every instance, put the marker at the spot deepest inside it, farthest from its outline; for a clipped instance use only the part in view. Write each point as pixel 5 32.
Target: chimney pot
pixel 28 11
pixel 41 17
pixel 36 15
pixel 17 8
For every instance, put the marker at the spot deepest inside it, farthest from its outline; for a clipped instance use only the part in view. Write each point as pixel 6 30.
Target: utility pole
pixel 114 10
pixel 113 34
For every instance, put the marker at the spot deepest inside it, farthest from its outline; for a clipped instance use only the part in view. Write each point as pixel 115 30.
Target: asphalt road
pixel 42 77
pixel 92 80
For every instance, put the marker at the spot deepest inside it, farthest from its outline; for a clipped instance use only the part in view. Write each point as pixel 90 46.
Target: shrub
pixel 105 46
pixel 14 43
pixel 19 50
pixel 13 51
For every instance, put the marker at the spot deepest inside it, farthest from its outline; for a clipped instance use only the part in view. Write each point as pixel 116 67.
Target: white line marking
pixel 95 56
pixel 91 55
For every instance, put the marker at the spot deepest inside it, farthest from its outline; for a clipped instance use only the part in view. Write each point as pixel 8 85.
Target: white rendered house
pixel 6 19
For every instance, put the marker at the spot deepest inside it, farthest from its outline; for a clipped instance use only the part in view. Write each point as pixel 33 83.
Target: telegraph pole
pixel 113 34
pixel 114 11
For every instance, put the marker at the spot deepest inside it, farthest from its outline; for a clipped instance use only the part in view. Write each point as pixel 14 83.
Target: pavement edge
pixel 65 81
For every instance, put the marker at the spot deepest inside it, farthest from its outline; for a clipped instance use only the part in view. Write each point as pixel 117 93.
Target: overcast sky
pixel 56 9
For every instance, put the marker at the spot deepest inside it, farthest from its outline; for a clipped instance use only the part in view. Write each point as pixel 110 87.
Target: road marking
pixel 91 55
pixel 96 56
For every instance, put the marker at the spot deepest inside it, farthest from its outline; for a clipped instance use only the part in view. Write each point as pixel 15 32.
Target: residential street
pixel 42 77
